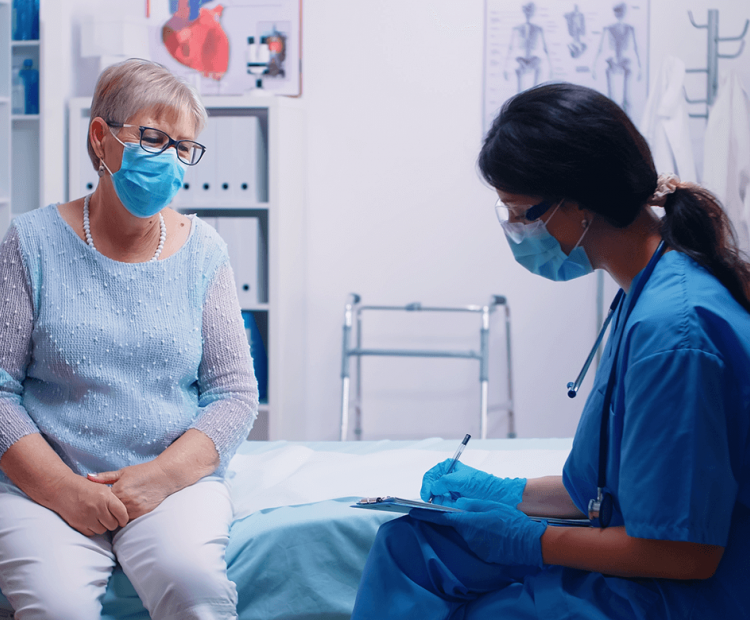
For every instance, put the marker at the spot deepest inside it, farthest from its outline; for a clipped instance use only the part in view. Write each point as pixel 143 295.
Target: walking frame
pixel 353 314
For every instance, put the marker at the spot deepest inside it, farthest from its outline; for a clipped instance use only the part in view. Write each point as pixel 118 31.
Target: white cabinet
pixel 5 106
pixel 250 184
pixel 20 134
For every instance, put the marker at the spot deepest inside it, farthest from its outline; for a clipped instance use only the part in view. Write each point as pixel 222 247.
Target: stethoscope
pixel 600 508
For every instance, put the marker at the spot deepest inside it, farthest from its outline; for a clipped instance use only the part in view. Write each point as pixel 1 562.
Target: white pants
pixel 174 557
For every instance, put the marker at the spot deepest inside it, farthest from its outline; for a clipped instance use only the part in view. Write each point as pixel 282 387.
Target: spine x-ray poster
pixel 597 43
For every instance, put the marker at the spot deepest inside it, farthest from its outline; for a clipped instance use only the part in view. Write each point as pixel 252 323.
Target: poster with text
pixel 595 43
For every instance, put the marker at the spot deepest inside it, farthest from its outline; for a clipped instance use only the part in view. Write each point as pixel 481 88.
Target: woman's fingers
pixel 98 527
pixel 118 511
pixel 106 477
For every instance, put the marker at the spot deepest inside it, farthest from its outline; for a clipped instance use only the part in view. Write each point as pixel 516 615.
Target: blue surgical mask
pixel 146 183
pixel 536 249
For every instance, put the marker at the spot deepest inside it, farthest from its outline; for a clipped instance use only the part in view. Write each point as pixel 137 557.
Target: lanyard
pixel 600 509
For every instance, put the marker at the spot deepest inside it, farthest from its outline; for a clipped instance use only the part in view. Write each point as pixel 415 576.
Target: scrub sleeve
pixel 678 432
pixel 669 467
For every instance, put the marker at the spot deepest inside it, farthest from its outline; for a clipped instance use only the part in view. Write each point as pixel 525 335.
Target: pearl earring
pixel 101 168
pixel 585 223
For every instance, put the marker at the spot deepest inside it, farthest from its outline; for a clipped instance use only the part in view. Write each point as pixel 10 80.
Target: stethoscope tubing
pixel 601 482
pixel 573 387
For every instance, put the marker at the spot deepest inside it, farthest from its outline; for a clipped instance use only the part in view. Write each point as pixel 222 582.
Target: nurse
pixel 576 182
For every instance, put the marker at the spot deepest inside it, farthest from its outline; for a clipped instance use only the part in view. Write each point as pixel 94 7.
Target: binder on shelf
pixel 240 162
pixel 258 349
pixel 199 184
pixel 243 238
pixel 229 159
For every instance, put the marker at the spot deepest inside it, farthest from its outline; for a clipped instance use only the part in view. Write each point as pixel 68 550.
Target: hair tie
pixel 666 184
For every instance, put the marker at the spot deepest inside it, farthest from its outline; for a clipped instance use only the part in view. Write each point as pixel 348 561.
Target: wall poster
pixel 595 43
pixel 206 42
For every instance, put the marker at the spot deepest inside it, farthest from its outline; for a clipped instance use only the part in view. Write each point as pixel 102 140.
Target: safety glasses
pixel 529 214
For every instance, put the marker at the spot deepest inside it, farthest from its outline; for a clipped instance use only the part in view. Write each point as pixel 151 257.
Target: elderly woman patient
pixel 126 383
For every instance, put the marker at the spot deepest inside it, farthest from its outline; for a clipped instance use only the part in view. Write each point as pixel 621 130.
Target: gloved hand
pixel 496 533
pixel 465 481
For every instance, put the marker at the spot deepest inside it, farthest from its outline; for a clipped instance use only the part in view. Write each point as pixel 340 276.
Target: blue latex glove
pixel 496 533
pixel 465 481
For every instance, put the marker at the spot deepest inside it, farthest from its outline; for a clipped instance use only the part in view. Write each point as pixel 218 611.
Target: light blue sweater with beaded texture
pixel 111 362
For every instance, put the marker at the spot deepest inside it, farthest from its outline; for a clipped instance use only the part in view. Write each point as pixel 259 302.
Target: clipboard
pixel 403 506
pixel 397 504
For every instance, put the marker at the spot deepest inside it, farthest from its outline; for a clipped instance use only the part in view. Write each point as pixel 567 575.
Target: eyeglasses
pixel 156 141
pixel 531 214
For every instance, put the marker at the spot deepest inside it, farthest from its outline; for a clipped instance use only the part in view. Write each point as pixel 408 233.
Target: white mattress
pixel 271 474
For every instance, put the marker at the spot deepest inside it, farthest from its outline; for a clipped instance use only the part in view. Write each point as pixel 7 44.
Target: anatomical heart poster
pixel 208 42
pixel 602 44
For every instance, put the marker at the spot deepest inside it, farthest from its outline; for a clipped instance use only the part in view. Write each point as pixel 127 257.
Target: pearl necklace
pixel 90 241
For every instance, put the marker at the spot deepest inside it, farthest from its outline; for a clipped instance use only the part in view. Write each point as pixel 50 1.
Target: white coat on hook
pixel 726 170
pixel 665 122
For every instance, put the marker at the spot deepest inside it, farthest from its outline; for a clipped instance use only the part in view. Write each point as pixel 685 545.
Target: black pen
pixel 455 458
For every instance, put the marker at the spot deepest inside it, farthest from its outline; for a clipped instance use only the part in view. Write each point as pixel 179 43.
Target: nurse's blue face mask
pixel 536 249
pixel 146 182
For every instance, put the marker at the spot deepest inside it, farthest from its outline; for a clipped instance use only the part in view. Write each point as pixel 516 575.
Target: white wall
pixel 397 213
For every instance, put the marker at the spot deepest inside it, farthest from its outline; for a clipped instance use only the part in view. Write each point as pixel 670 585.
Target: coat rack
pixel 712 65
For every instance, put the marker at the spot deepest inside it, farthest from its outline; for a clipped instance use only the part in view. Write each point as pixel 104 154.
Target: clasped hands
pixel 91 507
pixel 491 524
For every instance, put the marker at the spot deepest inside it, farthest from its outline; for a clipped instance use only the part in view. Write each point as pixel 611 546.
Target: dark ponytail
pixel 696 225
pixel 567 141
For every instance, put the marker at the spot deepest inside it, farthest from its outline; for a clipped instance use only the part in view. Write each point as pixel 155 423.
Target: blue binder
pixel 258 353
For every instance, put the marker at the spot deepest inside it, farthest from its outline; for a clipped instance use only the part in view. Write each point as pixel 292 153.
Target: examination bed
pixel 297 548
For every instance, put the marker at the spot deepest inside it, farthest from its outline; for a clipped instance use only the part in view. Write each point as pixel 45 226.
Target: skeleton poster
pixel 595 43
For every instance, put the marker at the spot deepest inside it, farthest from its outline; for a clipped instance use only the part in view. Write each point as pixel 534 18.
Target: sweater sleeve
pixel 16 325
pixel 228 391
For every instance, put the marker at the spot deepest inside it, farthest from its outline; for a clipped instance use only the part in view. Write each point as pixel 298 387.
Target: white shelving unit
pixel 5 106
pixel 20 134
pixel 261 179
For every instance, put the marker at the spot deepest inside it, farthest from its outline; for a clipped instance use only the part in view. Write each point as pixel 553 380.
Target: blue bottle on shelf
pixel 30 78
pixel 18 93
pixel 35 21
pixel 23 20
pixel 258 353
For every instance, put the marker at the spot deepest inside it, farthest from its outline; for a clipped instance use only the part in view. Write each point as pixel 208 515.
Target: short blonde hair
pixel 128 87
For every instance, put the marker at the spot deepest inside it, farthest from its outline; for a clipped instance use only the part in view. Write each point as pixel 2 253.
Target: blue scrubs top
pixel 679 443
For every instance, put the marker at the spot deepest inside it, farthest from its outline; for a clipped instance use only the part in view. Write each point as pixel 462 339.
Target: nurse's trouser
pixel 421 570
pixel 173 556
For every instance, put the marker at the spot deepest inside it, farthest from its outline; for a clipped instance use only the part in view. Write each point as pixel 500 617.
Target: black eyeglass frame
pixel 170 142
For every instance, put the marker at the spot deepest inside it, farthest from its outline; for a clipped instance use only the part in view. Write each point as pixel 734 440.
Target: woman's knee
pixel 177 582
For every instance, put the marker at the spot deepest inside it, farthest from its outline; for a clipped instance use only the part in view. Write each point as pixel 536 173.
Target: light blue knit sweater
pixel 113 361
